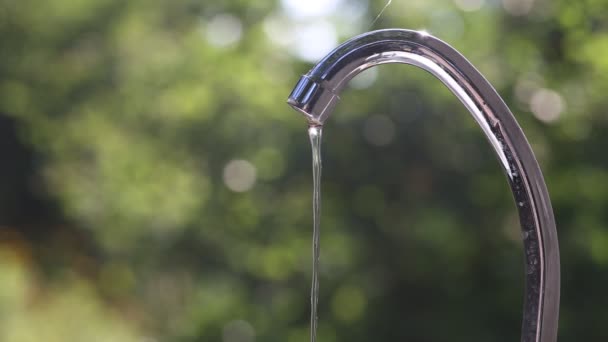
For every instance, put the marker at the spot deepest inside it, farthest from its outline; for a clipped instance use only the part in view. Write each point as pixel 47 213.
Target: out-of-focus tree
pixel 156 187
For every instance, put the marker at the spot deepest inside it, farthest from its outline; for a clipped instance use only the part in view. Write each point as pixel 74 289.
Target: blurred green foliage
pixel 155 186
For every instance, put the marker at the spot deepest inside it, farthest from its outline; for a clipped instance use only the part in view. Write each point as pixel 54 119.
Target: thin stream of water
pixel 315 132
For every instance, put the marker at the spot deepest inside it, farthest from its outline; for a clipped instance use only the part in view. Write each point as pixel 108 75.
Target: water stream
pixel 314 132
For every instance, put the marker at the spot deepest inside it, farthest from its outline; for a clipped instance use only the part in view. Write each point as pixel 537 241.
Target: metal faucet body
pixel 317 93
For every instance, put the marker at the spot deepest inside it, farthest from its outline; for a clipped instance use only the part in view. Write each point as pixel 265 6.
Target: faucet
pixel 317 93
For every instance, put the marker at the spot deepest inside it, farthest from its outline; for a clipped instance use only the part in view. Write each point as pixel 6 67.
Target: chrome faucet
pixel 317 93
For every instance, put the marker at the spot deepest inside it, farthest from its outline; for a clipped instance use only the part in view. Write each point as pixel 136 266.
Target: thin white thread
pixel 380 14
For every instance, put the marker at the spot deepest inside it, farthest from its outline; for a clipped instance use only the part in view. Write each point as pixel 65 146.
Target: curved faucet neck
pixel 317 93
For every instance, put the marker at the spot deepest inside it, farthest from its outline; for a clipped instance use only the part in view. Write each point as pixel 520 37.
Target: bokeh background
pixel 154 185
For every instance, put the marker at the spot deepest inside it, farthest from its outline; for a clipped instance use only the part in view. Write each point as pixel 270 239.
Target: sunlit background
pixel 154 185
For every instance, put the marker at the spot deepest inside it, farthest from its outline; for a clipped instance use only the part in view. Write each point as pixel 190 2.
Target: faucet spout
pixel 317 93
